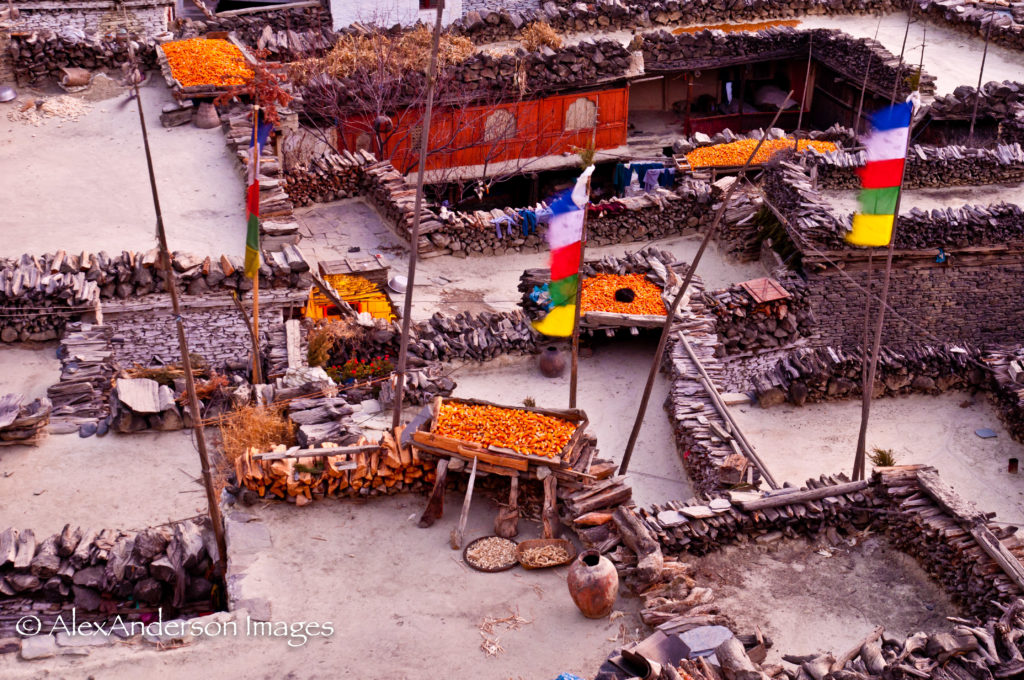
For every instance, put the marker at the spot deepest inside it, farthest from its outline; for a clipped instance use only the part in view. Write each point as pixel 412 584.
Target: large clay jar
pixel 552 362
pixel 593 584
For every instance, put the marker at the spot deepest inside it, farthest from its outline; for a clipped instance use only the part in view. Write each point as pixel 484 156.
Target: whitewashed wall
pixel 389 12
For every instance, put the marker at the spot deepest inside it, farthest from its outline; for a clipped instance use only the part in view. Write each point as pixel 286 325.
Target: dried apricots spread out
pixel 737 153
pixel 599 295
pixel 522 431
pixel 201 61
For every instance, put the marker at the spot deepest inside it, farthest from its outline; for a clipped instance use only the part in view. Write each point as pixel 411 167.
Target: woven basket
pixel 541 543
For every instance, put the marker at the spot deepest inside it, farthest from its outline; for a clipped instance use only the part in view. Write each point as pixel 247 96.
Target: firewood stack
pixel 42 54
pixel 80 398
pixel 395 199
pixel 387 469
pixel 998 101
pixel 50 289
pixel 824 373
pixel 322 420
pixel 22 423
pixel 421 385
pixel 747 326
pixel 1008 377
pixel 328 177
pixel 169 566
pixel 276 207
pixel 930 166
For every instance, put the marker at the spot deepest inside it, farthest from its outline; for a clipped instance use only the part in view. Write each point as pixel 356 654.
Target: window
pixel 429 4
pixel 499 125
pixel 581 114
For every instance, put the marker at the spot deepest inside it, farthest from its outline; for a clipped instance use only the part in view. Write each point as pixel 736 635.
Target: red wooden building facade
pixel 504 131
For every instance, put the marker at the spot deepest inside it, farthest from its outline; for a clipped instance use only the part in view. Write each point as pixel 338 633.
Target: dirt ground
pixel 330 229
pixel 845 202
pixel 808 601
pixel 83 185
pixel 29 368
pixel 402 603
pixel 610 385
pixel 801 442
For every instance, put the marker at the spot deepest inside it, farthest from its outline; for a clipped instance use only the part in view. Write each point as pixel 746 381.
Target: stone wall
pixel 485 6
pixel 978 303
pixel 40 54
pixel 973 18
pixel 144 18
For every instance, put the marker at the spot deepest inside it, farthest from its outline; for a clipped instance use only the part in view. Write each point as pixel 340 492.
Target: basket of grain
pixel 491 553
pixel 539 553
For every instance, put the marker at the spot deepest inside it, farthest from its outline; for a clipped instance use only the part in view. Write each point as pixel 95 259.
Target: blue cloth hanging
pixel 529 218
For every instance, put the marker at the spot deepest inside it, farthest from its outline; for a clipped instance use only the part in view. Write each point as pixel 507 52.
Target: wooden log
pixel 852 653
pixel 641 541
pixel 549 515
pixel 735 663
pixel 8 545
pixel 435 504
pixel 506 524
pixel 778 500
pixel 458 533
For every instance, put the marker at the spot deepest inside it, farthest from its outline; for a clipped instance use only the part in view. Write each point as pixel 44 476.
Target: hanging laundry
pixel 529 221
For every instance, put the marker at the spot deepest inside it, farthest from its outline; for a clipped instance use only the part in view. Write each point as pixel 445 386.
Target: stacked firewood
pixel 1008 381
pixel 823 373
pixel 170 566
pixel 421 385
pixel 930 166
pixel 476 337
pixel 395 199
pixel 80 397
pixel 366 469
pixel 998 101
pixel 38 294
pixel 745 325
pixel 322 420
pixel 39 55
pixel 808 216
pixel 22 423
pixel 327 178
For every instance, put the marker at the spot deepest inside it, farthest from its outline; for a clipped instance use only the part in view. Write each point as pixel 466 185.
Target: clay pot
pixel 552 362
pixel 593 584
pixel 207 117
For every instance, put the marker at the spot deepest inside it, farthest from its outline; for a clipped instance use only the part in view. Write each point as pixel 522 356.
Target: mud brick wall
pixel 978 304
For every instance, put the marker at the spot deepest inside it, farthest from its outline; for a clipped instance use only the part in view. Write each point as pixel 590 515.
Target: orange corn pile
pixel 599 295
pixel 522 431
pixel 737 153
pixel 737 28
pixel 207 62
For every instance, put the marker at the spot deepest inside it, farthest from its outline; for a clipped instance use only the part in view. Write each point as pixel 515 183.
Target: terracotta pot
pixel 552 362
pixel 593 584
pixel 207 117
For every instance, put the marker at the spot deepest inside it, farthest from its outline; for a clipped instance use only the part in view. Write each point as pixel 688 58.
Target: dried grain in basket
pixel 533 543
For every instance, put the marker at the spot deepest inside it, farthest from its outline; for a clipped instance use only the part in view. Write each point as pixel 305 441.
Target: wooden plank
pixel 268 8
pixel 459 532
pixel 601 319
pixel 293 342
pixel 1000 553
pixel 803 496
pixel 435 504
pixel 10 406
pixel 947 498
pixel 297 453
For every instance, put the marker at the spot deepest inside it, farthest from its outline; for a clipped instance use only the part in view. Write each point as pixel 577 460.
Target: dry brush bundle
pixel 323 338
pixel 539 34
pixel 259 427
pixel 409 51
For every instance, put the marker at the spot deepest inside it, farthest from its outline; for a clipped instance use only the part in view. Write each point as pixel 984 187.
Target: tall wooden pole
pixel 414 236
pixel 899 68
pixel 868 379
pixel 190 385
pixel 981 71
pixel 803 95
pixel 579 303
pixel 573 371
pixel 257 363
pixel 666 329
pixel 864 85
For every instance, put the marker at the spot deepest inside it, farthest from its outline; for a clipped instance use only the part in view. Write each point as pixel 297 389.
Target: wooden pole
pixel 414 236
pixel 579 288
pixel 670 317
pixel 257 377
pixel 899 67
pixel 190 385
pixel 981 71
pixel 803 95
pixel 864 86
pixel 256 360
pixel 868 386
pixel 573 372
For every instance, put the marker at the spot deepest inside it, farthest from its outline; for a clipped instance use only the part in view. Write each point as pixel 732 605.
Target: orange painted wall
pixel 457 136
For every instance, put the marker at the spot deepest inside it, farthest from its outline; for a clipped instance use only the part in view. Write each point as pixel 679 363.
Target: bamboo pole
pixel 190 385
pixel 414 237
pixel 666 329
pixel 981 71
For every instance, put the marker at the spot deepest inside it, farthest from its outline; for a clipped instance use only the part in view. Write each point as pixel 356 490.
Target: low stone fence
pixel 973 18
pixel 170 566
